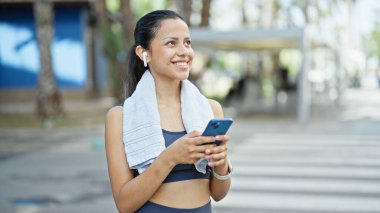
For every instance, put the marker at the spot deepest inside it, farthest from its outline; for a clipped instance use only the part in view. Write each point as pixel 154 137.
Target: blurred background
pixel 300 78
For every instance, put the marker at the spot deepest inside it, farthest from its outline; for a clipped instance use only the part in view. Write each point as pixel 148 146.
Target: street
pixel 305 173
pixel 279 166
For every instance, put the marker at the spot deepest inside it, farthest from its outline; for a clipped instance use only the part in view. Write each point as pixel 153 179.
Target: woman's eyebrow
pixel 175 38
pixel 170 38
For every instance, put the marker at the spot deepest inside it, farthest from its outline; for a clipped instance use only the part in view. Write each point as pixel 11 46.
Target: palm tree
pixel 205 13
pixel 128 25
pixel 128 22
pixel 48 97
pixel 184 8
pixel 112 38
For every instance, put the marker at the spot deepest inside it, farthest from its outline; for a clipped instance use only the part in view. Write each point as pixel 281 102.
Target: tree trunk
pixel 244 19
pixel 92 33
pixel 128 23
pixel 205 15
pixel 305 11
pixel 267 12
pixel 184 9
pixel 111 49
pixel 101 10
pixel 48 97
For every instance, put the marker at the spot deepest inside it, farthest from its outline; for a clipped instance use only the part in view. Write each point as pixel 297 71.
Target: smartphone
pixel 217 127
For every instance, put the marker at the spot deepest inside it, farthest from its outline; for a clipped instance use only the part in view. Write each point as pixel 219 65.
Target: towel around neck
pixel 142 132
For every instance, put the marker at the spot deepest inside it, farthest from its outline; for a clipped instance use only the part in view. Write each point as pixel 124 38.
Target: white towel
pixel 142 132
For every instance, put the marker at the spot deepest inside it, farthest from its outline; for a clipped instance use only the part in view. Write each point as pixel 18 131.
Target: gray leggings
pixel 150 207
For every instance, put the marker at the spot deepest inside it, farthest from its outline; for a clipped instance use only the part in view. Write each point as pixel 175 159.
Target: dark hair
pixel 145 31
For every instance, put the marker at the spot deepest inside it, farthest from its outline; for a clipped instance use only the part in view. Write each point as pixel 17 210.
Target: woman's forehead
pixel 172 28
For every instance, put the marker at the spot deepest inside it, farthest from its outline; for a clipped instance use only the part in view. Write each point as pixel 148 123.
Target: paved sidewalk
pixel 64 169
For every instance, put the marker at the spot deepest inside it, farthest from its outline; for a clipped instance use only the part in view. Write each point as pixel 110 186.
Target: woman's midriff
pixel 183 194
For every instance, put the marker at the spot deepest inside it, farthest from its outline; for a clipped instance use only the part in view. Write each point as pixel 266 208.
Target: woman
pixel 170 183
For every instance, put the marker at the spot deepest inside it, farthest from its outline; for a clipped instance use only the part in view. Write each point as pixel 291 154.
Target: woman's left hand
pixel 218 154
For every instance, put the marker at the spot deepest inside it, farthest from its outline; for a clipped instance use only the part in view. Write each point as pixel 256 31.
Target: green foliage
pixel 141 7
pixel 291 59
pixel 267 87
pixel 372 42
pixel 229 61
pixel 113 5
pixel 113 40
pixel 113 47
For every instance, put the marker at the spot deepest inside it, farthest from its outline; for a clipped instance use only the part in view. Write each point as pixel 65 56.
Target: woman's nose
pixel 183 50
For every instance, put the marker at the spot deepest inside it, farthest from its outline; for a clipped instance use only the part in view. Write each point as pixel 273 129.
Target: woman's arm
pixel 219 188
pixel 131 193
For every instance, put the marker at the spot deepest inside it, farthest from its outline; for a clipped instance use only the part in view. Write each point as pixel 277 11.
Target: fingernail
pixel 217 137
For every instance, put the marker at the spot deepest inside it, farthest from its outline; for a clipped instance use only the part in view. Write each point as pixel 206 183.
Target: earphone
pixel 144 59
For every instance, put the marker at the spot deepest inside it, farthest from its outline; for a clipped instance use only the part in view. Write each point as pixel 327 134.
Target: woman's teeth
pixel 181 63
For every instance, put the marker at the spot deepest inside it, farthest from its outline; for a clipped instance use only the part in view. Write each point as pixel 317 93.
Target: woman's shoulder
pixel 115 113
pixel 216 108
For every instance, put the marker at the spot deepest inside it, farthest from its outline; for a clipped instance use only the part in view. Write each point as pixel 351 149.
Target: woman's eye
pixel 188 42
pixel 170 43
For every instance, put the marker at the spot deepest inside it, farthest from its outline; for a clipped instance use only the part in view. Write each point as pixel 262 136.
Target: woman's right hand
pixel 190 148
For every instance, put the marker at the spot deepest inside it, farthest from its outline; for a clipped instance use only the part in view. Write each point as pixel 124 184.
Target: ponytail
pixel 134 72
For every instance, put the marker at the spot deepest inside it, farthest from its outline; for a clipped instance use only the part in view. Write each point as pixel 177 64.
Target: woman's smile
pixel 181 65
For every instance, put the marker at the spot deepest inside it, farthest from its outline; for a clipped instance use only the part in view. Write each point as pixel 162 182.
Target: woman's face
pixel 171 54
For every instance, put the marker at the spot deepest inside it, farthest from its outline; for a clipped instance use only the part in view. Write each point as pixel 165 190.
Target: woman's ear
pixel 142 54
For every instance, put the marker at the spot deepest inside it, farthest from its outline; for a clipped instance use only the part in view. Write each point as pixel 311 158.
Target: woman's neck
pixel 168 92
